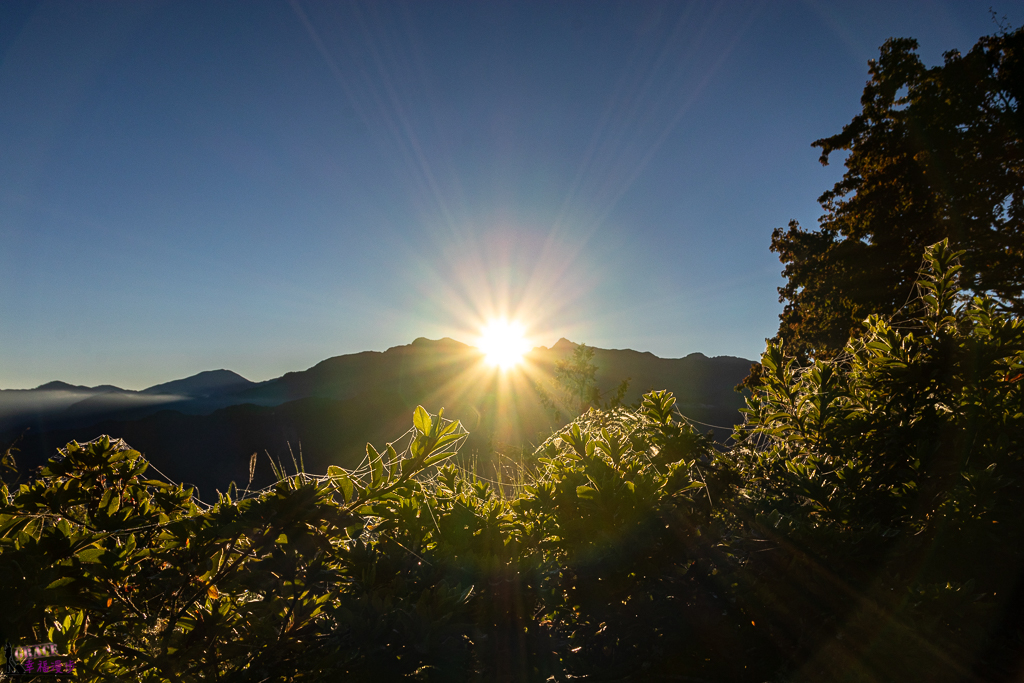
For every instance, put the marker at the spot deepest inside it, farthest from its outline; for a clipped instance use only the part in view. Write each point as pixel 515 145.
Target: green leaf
pixel 445 440
pixel 376 466
pixel 586 492
pixel 341 477
pixel 452 426
pixel 91 555
pixel 63 581
pixel 437 458
pixel 115 503
pixel 421 419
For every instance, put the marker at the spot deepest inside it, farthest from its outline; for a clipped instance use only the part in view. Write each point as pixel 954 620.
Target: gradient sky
pixel 259 186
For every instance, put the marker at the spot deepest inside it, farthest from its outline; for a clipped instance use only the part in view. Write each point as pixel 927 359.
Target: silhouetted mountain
pixel 204 385
pixel 59 405
pixel 332 409
pixel 64 386
pixel 21 408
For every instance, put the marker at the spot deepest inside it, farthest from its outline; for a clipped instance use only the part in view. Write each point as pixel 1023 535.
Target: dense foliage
pixel 865 526
pixel 936 153
pixel 892 480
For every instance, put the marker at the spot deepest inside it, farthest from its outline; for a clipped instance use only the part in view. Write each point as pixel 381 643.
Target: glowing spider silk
pixel 503 343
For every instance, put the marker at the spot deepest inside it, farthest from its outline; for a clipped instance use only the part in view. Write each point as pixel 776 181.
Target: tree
pixel 575 386
pixel 575 376
pixel 936 153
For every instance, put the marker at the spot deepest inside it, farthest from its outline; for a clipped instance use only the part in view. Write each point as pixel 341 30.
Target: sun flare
pixel 503 343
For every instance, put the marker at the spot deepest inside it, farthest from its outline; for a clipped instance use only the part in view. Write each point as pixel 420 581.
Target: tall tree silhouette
pixel 935 153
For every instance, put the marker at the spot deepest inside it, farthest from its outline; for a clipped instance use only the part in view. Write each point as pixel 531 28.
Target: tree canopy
pixel 936 153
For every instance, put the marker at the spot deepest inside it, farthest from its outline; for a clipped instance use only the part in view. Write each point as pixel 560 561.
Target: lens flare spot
pixel 503 343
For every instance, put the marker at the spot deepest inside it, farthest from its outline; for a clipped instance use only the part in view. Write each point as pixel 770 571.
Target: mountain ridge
pixel 332 409
pixel 202 384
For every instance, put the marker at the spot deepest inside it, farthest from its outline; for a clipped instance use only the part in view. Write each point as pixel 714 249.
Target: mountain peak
pixel 443 341
pixel 206 383
pixel 57 385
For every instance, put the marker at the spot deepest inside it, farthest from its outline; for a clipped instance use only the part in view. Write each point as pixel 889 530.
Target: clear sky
pixel 259 186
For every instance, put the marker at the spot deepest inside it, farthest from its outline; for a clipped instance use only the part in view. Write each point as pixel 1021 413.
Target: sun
pixel 503 343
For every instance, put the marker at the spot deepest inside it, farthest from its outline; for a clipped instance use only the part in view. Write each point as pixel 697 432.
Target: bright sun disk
pixel 503 343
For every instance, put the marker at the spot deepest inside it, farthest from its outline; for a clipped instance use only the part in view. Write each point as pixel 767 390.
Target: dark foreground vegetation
pixel 866 525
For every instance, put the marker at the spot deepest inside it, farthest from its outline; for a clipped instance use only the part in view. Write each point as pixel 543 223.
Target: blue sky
pixel 258 186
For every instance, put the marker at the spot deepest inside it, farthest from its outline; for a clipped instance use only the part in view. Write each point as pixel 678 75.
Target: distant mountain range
pixel 203 429
pixel 59 404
